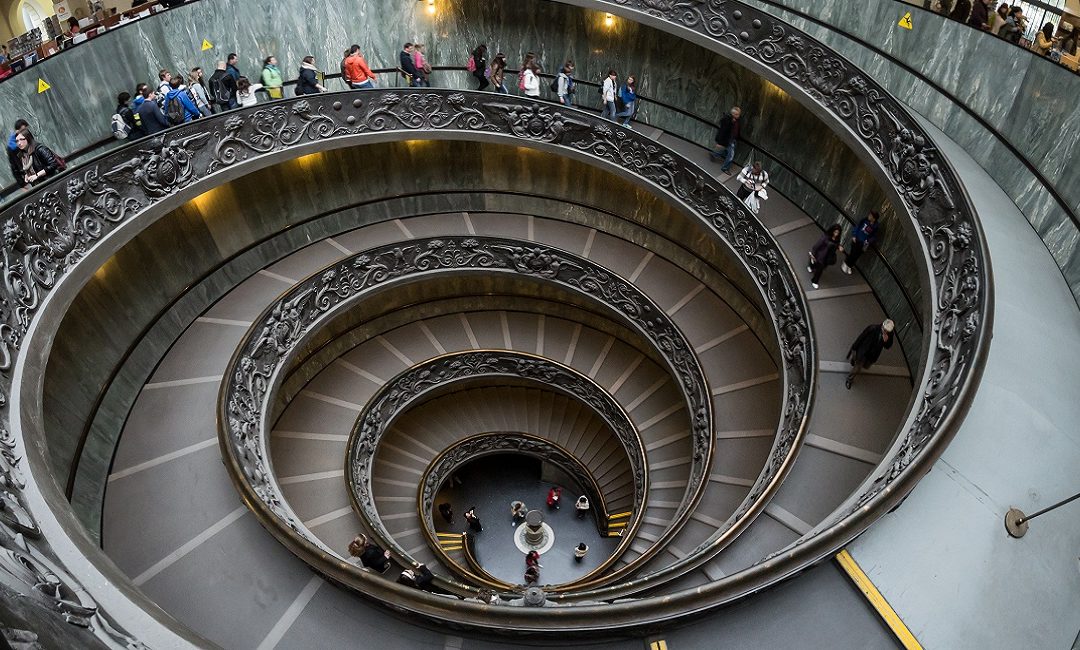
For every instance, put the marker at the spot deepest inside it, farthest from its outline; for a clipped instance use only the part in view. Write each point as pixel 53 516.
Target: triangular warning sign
pixel 905 22
pixel 42 86
pixel 207 45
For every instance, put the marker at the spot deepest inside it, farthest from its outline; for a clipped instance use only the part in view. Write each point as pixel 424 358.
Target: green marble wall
pixel 84 81
pixel 1030 101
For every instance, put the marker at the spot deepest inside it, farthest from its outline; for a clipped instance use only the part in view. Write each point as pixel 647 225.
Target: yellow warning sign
pixel 905 22
pixel 42 86
pixel 207 45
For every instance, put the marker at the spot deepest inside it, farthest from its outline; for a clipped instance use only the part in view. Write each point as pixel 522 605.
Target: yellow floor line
pixel 884 609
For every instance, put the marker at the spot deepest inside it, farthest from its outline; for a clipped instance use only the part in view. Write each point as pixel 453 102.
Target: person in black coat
pixel 370 554
pixel 408 66
pixel 479 57
pixel 980 13
pixel 36 161
pixel 726 137
pixel 419 576
pixel 824 253
pixel 474 521
pixel 307 82
pixel 867 348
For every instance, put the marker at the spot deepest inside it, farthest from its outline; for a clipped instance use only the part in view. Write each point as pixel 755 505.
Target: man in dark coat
pixel 726 137
pixel 867 348
pixel 407 65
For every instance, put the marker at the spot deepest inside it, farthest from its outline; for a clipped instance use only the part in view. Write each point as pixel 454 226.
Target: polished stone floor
pixel 491 484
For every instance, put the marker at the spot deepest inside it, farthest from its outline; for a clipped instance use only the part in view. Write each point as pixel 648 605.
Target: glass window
pixel 1040 13
pixel 31 16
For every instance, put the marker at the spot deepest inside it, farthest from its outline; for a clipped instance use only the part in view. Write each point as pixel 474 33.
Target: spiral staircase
pixel 308 358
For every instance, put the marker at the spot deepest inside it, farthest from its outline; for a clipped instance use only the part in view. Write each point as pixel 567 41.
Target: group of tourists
pixel 178 98
pixel 618 102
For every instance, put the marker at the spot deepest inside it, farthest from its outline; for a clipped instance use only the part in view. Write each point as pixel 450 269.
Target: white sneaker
pixel 814 284
pixel 809 269
pixel 845 267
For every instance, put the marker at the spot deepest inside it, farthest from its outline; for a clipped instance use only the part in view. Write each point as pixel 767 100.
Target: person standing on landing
pixel 726 137
pixel 473 520
pixel 824 253
pixel 752 179
pixel 867 348
pixel 864 236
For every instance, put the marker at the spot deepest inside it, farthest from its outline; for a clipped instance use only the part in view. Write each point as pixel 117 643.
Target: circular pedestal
pixel 546 541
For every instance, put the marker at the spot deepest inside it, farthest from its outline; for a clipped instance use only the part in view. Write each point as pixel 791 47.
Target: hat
pixel 888 325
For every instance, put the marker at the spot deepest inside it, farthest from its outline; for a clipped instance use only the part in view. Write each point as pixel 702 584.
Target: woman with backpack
pixel 498 73
pixel 198 91
pixel 36 161
pixel 823 253
pixel 478 66
pixel 423 68
pixel 308 82
pixel 564 84
pixel 271 78
pixel 123 122
pixel 530 57
pixel 245 92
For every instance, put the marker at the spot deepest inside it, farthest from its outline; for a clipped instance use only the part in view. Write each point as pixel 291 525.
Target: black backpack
pixel 219 90
pixel 174 111
pixel 555 84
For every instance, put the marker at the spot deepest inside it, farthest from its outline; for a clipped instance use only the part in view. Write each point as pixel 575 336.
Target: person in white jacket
pixel 532 80
pixel 608 91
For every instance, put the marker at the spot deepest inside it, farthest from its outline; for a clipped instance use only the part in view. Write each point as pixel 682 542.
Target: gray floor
pixel 490 485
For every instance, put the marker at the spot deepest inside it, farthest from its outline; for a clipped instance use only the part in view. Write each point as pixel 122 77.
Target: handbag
pixel 275 93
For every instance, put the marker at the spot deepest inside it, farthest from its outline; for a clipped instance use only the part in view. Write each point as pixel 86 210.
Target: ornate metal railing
pixel 57 236
pixel 265 354
pixel 417 383
pixel 84 213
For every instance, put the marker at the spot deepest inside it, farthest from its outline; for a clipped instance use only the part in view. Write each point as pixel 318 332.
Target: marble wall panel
pixel 1029 101
pixel 668 68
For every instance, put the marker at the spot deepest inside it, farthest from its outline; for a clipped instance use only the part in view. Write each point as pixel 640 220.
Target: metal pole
pixel 1046 510
pixel 1016 522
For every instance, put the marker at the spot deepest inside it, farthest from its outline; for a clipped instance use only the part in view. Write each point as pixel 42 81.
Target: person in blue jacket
pixel 628 97
pixel 150 115
pixel 178 94
pixel 862 238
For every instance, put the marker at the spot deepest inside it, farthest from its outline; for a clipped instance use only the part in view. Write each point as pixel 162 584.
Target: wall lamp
pixel 609 20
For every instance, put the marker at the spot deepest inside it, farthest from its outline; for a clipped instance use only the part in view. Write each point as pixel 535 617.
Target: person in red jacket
pixel 357 71
pixel 554 496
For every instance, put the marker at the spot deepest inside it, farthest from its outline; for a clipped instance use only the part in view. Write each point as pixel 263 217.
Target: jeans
pixel 727 153
pixel 364 85
pixel 501 89
pixel 854 252
pixel 609 110
pixel 566 100
pixel 627 112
